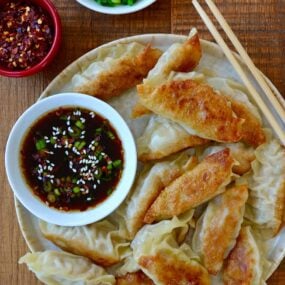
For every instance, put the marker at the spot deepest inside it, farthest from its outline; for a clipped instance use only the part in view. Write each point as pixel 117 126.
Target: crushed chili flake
pixel 26 35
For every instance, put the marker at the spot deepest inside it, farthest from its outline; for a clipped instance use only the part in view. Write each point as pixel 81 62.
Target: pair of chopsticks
pixel 275 124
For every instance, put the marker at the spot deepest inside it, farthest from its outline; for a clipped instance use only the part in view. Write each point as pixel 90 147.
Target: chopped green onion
pixel 56 191
pixel 81 145
pixel 76 189
pixel 111 135
pixel 79 124
pixel 47 186
pixel 76 132
pixel 64 118
pixel 51 198
pixel 99 174
pixel 109 192
pixel 52 140
pixel 77 144
pixel 112 3
pixel 117 163
pixel 40 144
pixel 109 166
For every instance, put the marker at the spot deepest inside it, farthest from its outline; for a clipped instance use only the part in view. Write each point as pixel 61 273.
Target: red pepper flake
pixel 26 35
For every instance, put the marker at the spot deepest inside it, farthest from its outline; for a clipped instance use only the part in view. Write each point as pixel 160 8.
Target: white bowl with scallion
pixel 71 159
pixel 116 7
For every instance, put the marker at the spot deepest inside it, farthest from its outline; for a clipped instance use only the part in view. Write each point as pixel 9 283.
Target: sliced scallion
pixel 117 163
pixel 79 124
pixel 40 144
pixel 76 189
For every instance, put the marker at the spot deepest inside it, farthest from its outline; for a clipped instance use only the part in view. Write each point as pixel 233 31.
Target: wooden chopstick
pixel 259 101
pixel 240 49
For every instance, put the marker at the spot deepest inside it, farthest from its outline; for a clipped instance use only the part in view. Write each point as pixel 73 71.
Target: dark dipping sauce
pixel 26 35
pixel 72 159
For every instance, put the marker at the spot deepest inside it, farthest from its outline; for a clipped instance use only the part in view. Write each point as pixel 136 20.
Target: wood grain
pixel 259 25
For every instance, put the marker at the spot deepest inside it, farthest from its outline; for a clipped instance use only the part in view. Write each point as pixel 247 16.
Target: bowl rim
pixel 118 10
pixel 52 12
pixel 20 188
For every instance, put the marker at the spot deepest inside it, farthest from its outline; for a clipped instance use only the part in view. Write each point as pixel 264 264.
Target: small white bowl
pixel 30 200
pixel 117 10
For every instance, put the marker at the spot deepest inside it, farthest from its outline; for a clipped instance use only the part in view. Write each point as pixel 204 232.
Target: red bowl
pixel 47 6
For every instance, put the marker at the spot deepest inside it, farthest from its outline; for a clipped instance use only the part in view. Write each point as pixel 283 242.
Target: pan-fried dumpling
pixel 111 77
pixel 182 57
pixel 136 278
pixel 194 187
pixel 253 133
pixel 243 265
pixel 61 268
pixel 156 249
pixel 196 106
pixel 242 153
pixel 179 57
pixel 265 205
pixel 148 186
pixel 218 228
pixel 163 137
pixel 102 242
pixel 127 265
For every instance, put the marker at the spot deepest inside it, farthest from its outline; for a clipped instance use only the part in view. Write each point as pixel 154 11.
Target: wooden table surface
pixel 259 24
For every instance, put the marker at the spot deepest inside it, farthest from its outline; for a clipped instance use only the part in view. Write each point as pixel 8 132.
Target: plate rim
pixel 20 210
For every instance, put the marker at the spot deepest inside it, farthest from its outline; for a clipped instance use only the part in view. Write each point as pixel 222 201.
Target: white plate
pixel 213 59
pixel 117 10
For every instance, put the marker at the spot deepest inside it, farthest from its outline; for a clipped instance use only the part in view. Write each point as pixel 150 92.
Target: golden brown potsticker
pixel 127 73
pixel 193 188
